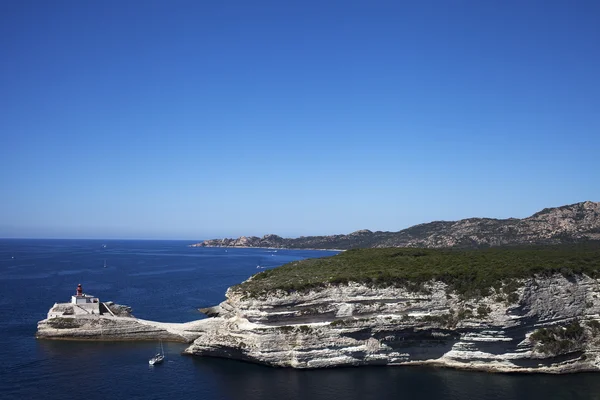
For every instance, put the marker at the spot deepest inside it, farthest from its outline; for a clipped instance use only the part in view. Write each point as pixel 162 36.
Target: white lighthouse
pixel 85 302
pixel 80 304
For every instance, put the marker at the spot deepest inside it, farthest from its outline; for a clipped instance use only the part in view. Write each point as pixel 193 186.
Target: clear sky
pixel 201 119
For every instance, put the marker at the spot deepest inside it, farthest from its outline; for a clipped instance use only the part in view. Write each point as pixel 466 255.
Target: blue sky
pixel 192 120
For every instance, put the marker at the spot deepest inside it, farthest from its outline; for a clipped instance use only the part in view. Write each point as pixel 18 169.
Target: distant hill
pixel 566 224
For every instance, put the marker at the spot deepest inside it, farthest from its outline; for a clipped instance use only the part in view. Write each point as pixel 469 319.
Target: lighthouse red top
pixel 79 290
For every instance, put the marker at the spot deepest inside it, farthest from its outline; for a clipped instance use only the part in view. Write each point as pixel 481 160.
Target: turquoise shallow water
pixel 168 281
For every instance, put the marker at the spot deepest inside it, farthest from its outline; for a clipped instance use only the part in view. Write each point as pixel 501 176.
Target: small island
pixel 515 309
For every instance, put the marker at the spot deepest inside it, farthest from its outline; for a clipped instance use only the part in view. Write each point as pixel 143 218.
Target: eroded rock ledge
pixel 548 324
pixel 65 324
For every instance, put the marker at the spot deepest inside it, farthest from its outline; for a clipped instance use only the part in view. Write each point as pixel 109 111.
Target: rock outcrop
pixel 571 223
pixel 547 324
pixel 542 324
pixel 116 325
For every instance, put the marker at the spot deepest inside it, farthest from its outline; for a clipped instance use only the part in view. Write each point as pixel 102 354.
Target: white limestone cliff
pixel 359 325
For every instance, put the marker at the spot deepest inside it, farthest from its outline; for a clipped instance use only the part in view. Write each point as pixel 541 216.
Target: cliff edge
pixel 533 316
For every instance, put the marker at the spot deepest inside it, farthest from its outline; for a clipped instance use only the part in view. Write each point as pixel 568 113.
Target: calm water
pixel 167 281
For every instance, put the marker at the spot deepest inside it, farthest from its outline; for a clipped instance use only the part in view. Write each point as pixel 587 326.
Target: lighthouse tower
pixel 85 302
pixel 81 304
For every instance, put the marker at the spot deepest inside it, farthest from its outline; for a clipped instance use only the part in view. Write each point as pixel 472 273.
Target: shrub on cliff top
pixel 557 340
pixel 470 273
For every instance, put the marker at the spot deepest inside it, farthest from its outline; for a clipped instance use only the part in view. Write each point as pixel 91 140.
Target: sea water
pixel 168 281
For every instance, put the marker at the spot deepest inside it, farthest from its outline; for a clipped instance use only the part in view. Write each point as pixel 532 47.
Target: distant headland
pixel 566 224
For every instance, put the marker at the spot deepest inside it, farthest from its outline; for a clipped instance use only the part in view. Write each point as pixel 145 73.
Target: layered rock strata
pixel 545 324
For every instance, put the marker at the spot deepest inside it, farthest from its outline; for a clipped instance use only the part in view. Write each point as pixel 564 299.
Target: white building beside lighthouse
pixel 86 303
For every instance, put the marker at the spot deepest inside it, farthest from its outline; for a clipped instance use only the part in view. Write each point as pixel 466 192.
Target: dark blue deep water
pixel 168 281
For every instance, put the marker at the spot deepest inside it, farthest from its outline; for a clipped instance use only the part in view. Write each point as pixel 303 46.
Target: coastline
pixel 276 331
pixel 265 248
pixel 309 318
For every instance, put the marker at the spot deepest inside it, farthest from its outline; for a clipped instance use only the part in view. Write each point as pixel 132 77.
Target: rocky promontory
pixel 552 326
pixel 566 224
pixel 530 317
pixel 68 322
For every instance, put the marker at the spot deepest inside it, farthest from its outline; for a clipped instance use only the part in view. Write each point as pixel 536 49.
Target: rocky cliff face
pixel 547 324
pixel 565 224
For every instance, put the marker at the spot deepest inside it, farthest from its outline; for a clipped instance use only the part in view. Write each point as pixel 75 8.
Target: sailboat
pixel 104 263
pixel 159 357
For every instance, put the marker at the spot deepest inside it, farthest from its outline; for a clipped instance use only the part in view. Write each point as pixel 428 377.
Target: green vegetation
pixel 594 326
pixel 469 273
pixel 285 329
pixel 348 322
pixel 559 339
pixel 448 319
pixel 483 311
pixel 339 322
pixel 290 329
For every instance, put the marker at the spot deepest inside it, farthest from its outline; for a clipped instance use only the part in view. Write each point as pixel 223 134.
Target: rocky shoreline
pixel 550 325
pixel 233 246
pixel 109 328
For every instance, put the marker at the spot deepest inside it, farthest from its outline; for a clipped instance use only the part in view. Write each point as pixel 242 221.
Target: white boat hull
pixel 156 360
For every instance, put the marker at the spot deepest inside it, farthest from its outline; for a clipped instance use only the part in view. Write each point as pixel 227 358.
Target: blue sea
pixel 168 281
